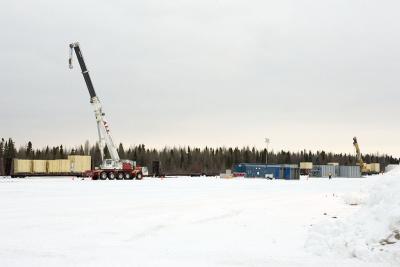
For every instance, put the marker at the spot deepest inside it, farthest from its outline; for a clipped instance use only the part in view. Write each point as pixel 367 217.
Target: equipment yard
pixel 197 222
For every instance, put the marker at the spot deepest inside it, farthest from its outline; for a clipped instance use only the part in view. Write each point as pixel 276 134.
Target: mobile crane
pixel 113 168
pixel 363 166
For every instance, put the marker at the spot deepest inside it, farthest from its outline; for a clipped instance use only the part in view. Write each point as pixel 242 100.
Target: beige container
pixel 80 163
pixel 22 165
pixel 366 168
pixel 227 175
pixel 375 167
pixel 333 163
pixel 59 166
pixel 39 166
pixel 306 165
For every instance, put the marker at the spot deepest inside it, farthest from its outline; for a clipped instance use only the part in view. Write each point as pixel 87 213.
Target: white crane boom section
pixel 105 138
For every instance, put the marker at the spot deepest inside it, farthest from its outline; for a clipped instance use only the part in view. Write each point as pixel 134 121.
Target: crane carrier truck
pixel 113 168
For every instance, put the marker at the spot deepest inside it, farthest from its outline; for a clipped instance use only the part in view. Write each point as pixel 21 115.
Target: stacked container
pixel 59 166
pixel 306 168
pixel 22 166
pixel 80 163
pixel 306 165
pixel 39 166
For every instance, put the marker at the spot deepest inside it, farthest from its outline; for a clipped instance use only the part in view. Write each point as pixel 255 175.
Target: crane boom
pixel 358 152
pixel 364 167
pixel 105 138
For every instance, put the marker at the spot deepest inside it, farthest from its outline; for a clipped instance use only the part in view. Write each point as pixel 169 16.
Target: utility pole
pixel 267 141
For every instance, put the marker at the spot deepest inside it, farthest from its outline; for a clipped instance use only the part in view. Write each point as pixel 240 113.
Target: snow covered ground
pixel 199 222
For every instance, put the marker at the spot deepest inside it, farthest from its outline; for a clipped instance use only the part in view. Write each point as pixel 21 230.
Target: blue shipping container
pixel 251 170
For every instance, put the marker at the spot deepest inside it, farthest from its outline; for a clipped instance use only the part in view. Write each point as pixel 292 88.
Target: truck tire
pixel 127 176
pixel 103 176
pixel 111 176
pixel 120 176
pixel 139 176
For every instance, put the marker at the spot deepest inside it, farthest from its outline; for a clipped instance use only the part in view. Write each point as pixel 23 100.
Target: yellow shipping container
pixel 306 165
pixel 39 166
pixel 22 165
pixel 59 166
pixel 80 163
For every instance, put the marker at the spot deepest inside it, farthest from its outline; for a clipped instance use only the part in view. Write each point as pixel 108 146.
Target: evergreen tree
pixel 2 148
pixel 29 150
pixel 87 148
pixel 121 151
pixel 61 152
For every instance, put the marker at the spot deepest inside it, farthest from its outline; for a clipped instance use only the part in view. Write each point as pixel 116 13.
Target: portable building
pixel 324 171
pixel 284 171
pixel 350 171
pixel 39 166
pixel 80 163
pixel 22 166
pixel 59 166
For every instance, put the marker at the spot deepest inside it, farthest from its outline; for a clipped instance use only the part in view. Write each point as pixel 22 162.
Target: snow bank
pixel 372 233
pixel 355 198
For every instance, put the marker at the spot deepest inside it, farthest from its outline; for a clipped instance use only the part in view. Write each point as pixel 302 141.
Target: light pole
pixel 267 141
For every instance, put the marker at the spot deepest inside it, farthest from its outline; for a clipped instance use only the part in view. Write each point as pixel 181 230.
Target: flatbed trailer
pixel 26 174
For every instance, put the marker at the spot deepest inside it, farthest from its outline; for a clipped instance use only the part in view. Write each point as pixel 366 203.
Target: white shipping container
pixel 350 171
pixel 324 171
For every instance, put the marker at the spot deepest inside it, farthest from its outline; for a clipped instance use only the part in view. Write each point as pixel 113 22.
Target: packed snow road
pixel 170 222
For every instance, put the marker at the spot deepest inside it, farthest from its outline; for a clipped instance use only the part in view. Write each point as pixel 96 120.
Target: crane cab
pixel 109 164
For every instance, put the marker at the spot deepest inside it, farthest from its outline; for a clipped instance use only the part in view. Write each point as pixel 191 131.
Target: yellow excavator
pixel 365 169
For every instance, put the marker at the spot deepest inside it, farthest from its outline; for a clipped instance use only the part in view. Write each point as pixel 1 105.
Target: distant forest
pixel 183 159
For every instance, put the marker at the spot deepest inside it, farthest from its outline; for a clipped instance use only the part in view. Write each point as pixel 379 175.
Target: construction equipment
pixel 364 167
pixel 113 168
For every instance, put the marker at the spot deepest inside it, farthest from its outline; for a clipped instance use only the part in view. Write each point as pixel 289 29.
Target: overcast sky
pixel 306 74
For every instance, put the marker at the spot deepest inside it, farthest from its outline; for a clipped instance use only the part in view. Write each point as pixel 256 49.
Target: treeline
pixel 183 159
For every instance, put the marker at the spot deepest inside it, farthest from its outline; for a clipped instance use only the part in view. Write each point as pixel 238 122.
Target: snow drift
pixel 372 233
